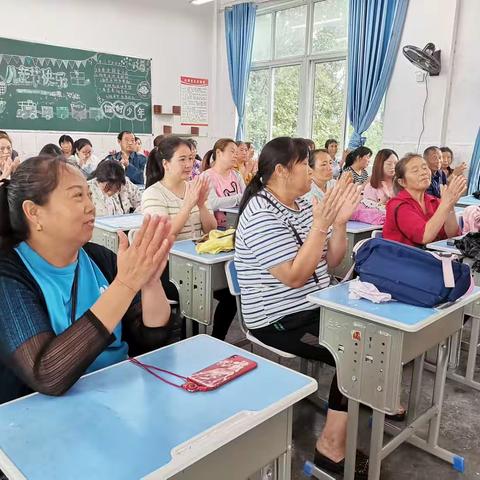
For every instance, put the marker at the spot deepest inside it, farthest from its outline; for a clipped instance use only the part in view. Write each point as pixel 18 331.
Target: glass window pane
pixel 262 42
pixel 328 101
pixel 286 91
pixel 290 31
pixel 258 96
pixel 374 133
pixel 329 26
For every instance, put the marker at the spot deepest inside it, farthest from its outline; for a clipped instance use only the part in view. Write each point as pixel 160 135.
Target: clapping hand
pixel 451 193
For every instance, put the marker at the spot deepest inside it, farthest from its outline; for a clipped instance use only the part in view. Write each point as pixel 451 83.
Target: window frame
pixel 307 62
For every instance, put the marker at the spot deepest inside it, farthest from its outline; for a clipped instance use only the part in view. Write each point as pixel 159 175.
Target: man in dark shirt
pixel 133 162
pixel 433 157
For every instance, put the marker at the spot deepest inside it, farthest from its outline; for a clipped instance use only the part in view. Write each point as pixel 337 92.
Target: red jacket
pixel 409 225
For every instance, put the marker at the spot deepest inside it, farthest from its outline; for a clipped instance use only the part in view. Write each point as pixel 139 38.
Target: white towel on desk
pixel 358 289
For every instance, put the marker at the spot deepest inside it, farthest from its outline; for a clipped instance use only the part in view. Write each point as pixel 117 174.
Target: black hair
pixel 122 133
pixel 446 149
pixel 80 143
pixel 51 150
pixel 192 142
pixel 136 138
pixel 158 139
pixel 64 139
pixel 164 151
pixel 312 155
pixel 35 179
pixel 354 154
pixel 330 141
pixel 211 155
pixel 429 150
pixel 285 151
pixel 110 172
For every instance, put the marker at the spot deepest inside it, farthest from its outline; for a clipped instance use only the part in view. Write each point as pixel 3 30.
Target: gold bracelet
pixel 127 286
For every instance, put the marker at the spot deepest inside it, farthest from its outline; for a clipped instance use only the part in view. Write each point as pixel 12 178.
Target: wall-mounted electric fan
pixel 428 59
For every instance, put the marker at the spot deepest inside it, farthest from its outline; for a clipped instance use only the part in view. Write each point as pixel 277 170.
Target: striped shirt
pixel 265 240
pixel 158 199
pixel 357 178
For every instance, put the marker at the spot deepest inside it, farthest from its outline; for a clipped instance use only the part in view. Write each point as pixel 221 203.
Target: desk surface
pixel 186 249
pixel 114 223
pixel 467 201
pixel 398 315
pixel 360 227
pixel 123 423
pixel 441 246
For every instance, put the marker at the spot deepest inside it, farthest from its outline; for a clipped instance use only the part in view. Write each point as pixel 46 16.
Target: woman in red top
pixel 415 217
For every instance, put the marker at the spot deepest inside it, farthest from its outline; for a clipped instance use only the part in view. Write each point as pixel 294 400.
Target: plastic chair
pixel 234 287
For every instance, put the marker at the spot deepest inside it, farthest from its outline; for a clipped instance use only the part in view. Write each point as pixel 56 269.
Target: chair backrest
pixel 234 288
pixel 377 234
pixel 232 278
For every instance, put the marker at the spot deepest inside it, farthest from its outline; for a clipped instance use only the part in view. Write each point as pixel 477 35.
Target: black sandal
pixel 361 465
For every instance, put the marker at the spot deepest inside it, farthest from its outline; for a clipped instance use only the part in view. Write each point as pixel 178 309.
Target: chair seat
pixel 281 353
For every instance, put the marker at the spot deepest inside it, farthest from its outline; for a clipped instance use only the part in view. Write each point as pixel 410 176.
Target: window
pixel 328 101
pixel 298 84
pixel 262 42
pixel 329 26
pixel 290 32
pixel 286 92
pixel 257 108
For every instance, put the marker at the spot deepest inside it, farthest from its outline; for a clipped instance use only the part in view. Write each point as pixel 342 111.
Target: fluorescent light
pixel 200 2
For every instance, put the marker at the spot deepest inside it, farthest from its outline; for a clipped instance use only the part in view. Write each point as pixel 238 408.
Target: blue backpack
pixel 412 275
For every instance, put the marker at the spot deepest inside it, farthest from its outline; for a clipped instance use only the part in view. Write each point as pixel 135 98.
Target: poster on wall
pixel 194 97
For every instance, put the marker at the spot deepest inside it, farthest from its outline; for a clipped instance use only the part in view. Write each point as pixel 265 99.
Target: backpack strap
pixel 292 228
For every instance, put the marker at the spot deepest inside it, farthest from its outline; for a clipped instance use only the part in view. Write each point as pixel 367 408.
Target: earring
pixel 39 228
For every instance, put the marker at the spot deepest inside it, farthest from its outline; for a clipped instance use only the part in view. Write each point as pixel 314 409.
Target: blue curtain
pixel 474 172
pixel 374 32
pixel 239 31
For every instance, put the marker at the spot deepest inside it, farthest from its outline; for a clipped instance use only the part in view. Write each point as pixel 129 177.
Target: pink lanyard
pixel 189 386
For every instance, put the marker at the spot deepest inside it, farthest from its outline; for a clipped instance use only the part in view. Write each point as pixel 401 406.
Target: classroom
pixel 239 240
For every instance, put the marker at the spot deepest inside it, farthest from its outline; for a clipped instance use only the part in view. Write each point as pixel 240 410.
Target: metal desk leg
pixel 284 462
pixel 415 389
pixel 376 445
pixel 468 379
pixel 438 393
pixel 352 434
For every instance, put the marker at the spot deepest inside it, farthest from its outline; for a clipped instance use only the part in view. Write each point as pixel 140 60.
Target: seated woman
pixel 378 190
pixel 197 161
pixel 356 163
pixel 244 162
pixel 321 164
pixel 380 187
pixel 69 306
pixel 82 156
pixel 169 193
pixel 8 164
pixel 227 184
pixel 284 246
pixel 112 192
pixel 66 144
pixel 413 216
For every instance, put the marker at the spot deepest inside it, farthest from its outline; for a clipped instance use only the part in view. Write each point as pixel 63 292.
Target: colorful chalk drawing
pixel 70 89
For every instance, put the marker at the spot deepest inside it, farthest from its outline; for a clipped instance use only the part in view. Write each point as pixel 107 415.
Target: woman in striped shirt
pixel 169 193
pixel 284 246
pixel 357 162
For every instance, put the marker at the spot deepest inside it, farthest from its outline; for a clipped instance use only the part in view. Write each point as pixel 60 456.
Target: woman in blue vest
pixel 68 306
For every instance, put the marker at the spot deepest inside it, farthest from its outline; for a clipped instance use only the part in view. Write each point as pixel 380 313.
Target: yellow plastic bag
pixel 216 241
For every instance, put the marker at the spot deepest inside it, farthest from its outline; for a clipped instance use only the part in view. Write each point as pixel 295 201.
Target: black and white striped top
pixel 357 178
pixel 264 240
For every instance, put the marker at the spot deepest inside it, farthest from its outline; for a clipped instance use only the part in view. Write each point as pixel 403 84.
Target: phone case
pixel 220 372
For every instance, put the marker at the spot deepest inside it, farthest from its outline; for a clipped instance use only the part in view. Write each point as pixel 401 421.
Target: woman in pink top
pixel 380 187
pixel 227 184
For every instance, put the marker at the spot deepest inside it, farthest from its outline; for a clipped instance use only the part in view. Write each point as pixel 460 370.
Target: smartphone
pixel 222 372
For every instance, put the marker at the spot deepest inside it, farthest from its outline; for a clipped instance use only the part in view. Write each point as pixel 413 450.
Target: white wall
pixel 177 36
pixel 452 116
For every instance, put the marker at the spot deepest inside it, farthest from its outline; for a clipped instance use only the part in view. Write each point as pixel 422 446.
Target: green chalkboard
pixel 44 87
